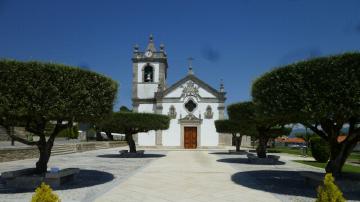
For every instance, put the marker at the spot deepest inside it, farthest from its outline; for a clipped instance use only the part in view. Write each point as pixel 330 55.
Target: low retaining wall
pixel 13 154
pixel 18 154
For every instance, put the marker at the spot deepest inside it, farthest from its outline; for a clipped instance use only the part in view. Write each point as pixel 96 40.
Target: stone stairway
pixel 63 149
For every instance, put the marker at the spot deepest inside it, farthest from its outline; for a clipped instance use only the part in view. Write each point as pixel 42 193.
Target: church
pixel 191 104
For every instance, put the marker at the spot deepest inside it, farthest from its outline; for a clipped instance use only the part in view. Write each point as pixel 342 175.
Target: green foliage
pixel 131 123
pixel 316 89
pixel 329 192
pixel 319 149
pixel 44 194
pixel 227 126
pixel 318 92
pixel 124 109
pixel 33 93
pixel 44 91
pixel 71 133
pixel 252 121
pixel 346 169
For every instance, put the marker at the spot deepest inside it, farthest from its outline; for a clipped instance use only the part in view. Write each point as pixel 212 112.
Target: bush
pixel 71 133
pixel 329 192
pixel 44 194
pixel 319 149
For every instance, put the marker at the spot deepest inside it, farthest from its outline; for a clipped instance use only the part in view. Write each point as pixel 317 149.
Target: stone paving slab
pixel 184 176
pixel 103 170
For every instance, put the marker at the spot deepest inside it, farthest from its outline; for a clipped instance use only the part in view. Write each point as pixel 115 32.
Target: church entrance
pixel 190 137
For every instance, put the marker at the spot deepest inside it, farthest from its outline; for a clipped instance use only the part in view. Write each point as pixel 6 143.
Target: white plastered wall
pixel 146 139
pixel 209 136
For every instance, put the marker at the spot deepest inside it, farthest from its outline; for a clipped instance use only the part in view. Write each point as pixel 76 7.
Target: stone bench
pixel 270 159
pixel 312 178
pixel 17 173
pixel 55 179
pixel 349 183
pixel 127 154
pixel 27 179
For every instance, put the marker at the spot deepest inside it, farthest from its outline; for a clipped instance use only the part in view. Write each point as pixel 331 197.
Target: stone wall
pixel 12 154
pixel 18 154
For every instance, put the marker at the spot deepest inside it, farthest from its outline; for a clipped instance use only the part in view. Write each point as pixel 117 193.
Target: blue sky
pixel 236 41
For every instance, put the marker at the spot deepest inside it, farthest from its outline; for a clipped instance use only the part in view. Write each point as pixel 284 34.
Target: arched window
pixel 172 112
pixel 208 114
pixel 148 74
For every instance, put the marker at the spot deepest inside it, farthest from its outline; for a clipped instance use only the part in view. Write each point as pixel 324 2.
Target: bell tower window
pixel 148 74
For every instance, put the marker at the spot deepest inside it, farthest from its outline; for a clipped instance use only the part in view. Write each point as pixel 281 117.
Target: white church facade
pixel 191 104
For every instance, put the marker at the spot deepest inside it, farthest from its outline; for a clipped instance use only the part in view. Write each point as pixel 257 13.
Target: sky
pixel 233 40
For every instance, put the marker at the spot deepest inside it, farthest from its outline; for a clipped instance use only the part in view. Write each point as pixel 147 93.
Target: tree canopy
pixel 321 88
pixel 318 92
pixel 252 122
pixel 130 123
pixel 34 93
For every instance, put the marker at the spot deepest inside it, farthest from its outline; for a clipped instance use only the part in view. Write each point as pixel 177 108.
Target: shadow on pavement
pixel 245 161
pixel 85 178
pixel 227 153
pixel 281 182
pixel 118 156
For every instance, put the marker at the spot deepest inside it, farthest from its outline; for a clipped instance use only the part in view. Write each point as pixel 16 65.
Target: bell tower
pixel 149 73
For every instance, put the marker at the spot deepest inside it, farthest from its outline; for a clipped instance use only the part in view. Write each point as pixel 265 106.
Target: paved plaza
pixel 179 176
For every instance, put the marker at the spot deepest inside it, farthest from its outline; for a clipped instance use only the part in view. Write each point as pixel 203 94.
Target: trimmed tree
pixel 130 123
pixel 322 94
pixel 231 127
pixel 253 123
pixel 32 94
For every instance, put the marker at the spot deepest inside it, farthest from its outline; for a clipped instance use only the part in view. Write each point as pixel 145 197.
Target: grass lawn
pixel 287 150
pixel 355 156
pixel 347 168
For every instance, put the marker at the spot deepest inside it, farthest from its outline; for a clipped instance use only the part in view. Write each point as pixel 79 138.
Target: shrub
pixel 319 149
pixel 329 192
pixel 44 194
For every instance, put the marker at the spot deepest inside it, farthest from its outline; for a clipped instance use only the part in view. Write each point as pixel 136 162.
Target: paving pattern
pixel 101 171
pixel 185 176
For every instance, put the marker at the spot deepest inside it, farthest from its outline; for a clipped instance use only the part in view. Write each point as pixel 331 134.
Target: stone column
pixel 224 138
pixel 158 133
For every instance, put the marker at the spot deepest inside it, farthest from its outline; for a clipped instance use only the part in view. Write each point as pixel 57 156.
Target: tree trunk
pixel 338 155
pixel 238 143
pixel 131 142
pixel 41 164
pixel 261 149
pixel 110 137
pixel 98 136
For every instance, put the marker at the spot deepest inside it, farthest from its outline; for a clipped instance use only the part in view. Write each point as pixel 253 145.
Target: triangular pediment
pixel 191 86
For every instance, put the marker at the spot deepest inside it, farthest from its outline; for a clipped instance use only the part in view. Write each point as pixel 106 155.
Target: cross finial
pixel 190 59
pixel 222 89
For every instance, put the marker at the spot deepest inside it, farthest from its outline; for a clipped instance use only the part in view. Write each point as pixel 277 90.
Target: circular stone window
pixel 190 105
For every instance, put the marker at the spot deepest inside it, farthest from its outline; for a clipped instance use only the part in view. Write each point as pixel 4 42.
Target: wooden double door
pixel 190 137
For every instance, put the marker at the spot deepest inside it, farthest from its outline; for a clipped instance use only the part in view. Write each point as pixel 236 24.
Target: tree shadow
pixel 245 161
pixel 242 152
pixel 127 157
pixel 85 178
pixel 282 182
